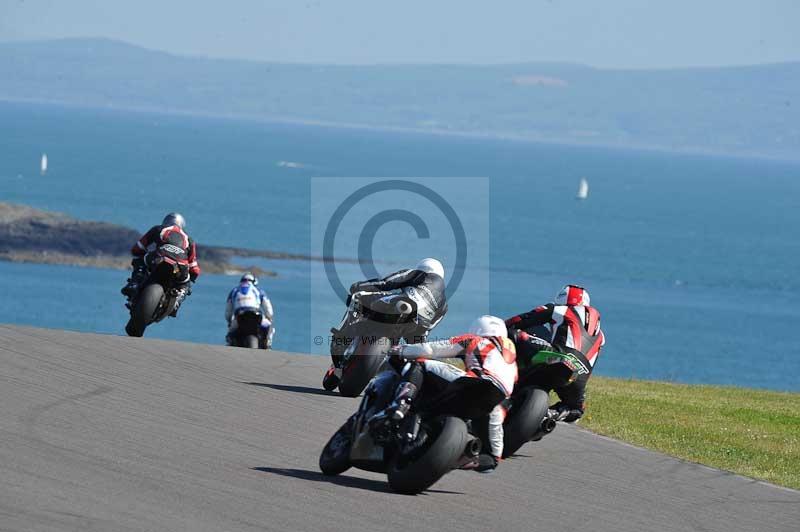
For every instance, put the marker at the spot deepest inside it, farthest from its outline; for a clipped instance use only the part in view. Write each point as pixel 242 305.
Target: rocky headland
pixel 33 235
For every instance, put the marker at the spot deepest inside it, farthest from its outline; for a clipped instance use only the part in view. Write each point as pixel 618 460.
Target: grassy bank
pixel 751 432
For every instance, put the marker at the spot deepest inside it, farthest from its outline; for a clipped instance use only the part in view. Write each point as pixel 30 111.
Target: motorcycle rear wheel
pixel 143 313
pixel 250 341
pixel 362 366
pixel 528 411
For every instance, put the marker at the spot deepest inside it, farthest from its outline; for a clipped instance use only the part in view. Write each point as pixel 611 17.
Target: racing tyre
pixel 416 473
pixel 523 422
pixel 249 341
pixel 144 311
pixel 335 456
pixel 362 366
pixel 133 329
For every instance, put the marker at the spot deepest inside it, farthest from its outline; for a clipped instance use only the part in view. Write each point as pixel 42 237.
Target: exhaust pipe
pixel 548 425
pixel 469 459
pixel 473 448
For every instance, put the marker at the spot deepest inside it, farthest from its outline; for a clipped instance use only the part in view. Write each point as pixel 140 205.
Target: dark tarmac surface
pixel 110 433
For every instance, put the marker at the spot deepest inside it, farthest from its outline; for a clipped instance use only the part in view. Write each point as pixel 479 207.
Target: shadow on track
pixel 292 388
pixel 340 480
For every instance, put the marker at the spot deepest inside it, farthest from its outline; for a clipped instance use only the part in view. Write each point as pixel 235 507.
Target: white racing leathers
pixel 248 297
pixel 489 358
pixel 426 290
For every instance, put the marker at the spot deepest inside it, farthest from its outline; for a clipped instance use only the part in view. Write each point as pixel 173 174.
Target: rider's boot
pixel 129 290
pixel 486 463
pixel 180 295
pixel 137 275
pixel 404 395
pixel 267 335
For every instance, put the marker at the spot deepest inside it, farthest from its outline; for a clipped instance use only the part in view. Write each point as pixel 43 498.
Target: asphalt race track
pixel 108 433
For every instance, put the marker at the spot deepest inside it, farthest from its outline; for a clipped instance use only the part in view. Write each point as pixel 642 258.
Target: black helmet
pixel 174 218
pixel 249 278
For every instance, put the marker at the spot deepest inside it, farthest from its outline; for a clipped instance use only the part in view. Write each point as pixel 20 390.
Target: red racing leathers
pixel 161 235
pixel 489 362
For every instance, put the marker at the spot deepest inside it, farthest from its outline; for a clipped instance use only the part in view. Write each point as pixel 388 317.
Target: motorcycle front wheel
pixel 335 456
pixel 414 474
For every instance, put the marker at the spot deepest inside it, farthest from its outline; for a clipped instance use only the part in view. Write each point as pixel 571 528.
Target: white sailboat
pixel 583 189
pixel 44 163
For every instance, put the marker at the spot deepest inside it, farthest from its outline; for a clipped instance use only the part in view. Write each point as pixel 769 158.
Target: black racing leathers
pixel 425 292
pixel 569 329
pixel 572 395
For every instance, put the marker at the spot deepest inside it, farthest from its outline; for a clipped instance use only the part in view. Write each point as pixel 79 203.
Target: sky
pixel 602 33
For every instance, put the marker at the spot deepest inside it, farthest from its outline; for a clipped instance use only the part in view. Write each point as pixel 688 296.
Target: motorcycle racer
pixel 477 391
pixel 248 297
pixel 422 286
pixel 169 234
pixel 567 325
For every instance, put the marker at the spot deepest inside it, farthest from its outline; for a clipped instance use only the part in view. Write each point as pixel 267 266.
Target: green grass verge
pixel 751 432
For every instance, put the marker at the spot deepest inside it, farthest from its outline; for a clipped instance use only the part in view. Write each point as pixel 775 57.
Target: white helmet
pixel 573 295
pixel 249 278
pixel 430 265
pixel 488 326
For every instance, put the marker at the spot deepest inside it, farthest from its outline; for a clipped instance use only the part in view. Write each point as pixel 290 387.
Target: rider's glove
pixel 353 295
pixel 395 358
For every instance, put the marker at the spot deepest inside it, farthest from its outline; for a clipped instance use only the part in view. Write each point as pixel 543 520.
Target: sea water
pixel 692 260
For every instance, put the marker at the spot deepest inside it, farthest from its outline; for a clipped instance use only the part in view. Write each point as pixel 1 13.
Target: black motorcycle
pixel 158 294
pixel 528 417
pixel 414 453
pixel 361 329
pixel 249 332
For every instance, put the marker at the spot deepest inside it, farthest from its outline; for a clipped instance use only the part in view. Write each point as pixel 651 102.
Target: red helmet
pixel 573 295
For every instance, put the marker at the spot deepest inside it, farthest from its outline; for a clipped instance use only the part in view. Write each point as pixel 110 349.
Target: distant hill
pixel 735 110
